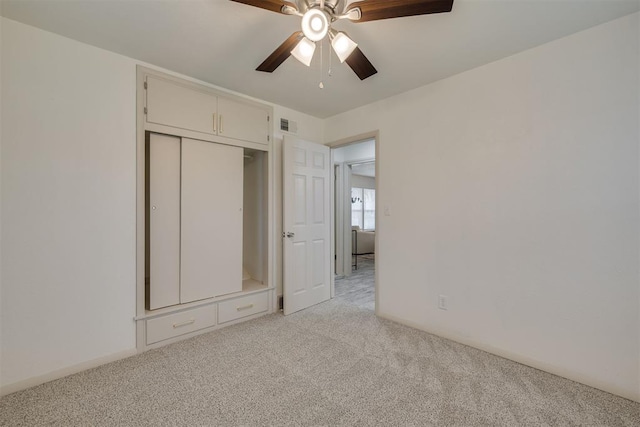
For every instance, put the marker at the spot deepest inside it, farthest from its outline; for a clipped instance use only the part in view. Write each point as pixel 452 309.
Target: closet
pixel 205 209
pixel 195 220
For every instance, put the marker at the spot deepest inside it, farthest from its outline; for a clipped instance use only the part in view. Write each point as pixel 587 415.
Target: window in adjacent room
pixel 363 208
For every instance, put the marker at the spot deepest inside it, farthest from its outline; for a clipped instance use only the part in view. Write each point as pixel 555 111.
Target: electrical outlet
pixel 442 302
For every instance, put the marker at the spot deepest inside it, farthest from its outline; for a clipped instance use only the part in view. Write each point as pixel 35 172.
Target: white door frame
pixel 338 258
pixel 375 135
pixel 340 216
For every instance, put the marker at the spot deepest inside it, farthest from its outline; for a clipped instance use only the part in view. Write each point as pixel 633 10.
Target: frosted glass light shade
pixel 304 50
pixel 315 24
pixel 342 45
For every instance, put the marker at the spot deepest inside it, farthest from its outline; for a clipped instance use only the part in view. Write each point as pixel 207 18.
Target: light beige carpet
pixel 333 364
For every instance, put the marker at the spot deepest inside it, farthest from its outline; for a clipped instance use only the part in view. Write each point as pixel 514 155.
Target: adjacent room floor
pixel 359 288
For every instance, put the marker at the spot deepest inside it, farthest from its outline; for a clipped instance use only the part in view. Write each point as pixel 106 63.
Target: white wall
pixel 309 128
pixel 365 150
pixel 1 318
pixel 69 204
pixel 520 203
pixel 360 181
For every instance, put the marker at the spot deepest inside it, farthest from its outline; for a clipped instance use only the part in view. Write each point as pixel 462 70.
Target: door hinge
pixel 145 110
pixel 145 85
pixel 268 118
pixel 268 138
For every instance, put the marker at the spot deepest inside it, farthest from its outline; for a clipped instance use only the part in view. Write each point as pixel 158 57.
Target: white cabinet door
pixel 164 220
pixel 243 121
pixel 171 104
pixel 211 234
pixel 306 222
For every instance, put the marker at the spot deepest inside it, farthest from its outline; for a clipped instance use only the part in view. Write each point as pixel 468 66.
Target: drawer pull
pixel 244 307
pixel 188 322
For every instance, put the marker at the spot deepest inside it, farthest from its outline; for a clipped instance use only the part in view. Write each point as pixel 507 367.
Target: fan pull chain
pixel 321 85
pixel 329 72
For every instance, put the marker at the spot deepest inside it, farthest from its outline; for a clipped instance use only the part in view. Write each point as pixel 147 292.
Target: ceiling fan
pixel 317 17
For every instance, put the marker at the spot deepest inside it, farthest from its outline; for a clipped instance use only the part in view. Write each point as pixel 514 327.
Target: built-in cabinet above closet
pixel 204 209
pixel 202 110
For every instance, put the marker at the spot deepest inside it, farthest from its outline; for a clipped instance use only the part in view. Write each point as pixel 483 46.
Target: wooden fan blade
pixel 272 5
pixel 360 64
pixel 281 53
pixel 373 10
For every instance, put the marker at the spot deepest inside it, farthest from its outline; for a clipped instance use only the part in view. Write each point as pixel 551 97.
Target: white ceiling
pixel 222 42
pixel 364 169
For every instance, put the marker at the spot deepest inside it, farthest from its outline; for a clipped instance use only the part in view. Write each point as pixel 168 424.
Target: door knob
pixel 288 234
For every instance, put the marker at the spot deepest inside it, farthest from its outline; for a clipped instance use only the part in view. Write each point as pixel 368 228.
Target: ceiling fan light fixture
pixel 342 45
pixel 304 50
pixel 315 24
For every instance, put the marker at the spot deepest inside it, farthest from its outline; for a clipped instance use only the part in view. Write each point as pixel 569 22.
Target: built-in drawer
pixel 173 325
pixel 242 307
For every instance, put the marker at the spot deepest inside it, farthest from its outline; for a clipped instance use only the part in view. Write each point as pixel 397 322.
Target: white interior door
pixel 306 224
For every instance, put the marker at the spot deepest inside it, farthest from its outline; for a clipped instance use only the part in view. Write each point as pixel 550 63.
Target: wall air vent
pixel 287 125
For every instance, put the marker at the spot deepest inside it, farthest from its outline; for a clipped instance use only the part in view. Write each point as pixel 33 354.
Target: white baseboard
pixel 60 373
pixel 543 366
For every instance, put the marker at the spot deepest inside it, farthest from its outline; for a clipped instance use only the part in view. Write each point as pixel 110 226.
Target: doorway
pixel 354 220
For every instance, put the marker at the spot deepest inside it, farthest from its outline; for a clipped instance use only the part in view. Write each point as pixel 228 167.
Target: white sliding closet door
pixel 211 222
pixel 164 221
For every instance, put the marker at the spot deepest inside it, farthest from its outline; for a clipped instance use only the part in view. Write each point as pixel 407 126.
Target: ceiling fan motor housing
pixel 315 24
